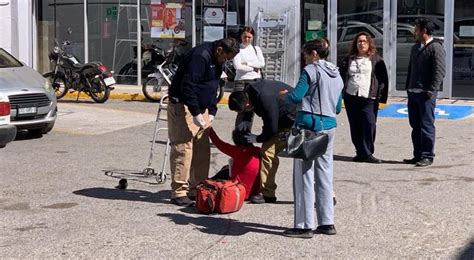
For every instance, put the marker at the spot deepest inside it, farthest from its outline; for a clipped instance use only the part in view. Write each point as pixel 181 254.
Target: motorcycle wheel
pixel 99 91
pixel 220 90
pixel 127 75
pixel 154 88
pixel 59 85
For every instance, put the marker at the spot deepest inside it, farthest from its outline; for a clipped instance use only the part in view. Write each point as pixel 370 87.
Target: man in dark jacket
pixel 262 98
pixel 426 72
pixel 191 111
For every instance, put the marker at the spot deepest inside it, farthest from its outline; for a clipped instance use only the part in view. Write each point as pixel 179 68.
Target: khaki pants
pixel 269 164
pixel 190 151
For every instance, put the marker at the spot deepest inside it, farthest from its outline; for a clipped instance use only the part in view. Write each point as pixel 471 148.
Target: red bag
pixel 219 196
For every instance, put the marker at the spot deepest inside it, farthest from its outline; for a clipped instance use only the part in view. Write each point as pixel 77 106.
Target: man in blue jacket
pixel 426 72
pixel 191 111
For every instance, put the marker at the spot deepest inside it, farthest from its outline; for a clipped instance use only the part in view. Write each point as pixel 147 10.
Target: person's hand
pixel 244 126
pixel 283 93
pixel 429 94
pixel 251 138
pixel 199 121
pixel 211 119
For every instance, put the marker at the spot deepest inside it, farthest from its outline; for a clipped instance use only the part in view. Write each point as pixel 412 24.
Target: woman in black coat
pixel 365 86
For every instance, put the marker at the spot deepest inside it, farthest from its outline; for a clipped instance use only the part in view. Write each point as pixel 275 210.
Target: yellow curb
pixel 127 96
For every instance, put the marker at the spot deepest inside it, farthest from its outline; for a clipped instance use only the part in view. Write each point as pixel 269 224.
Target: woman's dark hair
pixel 428 25
pixel 247 29
pixel 239 137
pixel 370 41
pixel 229 45
pixel 321 46
pixel 238 100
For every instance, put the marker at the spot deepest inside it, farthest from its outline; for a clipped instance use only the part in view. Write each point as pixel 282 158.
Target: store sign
pixel 167 19
pixel 214 15
pixel 111 12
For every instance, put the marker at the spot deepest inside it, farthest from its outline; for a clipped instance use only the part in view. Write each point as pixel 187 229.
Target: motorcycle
pixel 152 56
pixel 92 78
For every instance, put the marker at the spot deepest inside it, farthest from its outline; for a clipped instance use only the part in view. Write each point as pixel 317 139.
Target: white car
pixel 7 130
pixel 32 99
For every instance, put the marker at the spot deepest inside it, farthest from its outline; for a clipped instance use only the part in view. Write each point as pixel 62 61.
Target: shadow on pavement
pixel 128 194
pixel 344 158
pixel 221 226
pixel 73 100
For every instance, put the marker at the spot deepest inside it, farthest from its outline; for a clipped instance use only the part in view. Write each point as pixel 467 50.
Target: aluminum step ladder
pixel 128 40
pixel 272 35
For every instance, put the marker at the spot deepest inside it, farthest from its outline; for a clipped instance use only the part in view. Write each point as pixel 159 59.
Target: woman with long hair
pixel 365 86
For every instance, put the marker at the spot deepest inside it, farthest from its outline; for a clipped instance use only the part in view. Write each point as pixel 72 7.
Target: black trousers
pixel 362 115
pixel 421 110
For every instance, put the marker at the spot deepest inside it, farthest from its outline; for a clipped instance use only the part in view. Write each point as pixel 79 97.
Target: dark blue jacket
pixel 276 114
pixel 197 79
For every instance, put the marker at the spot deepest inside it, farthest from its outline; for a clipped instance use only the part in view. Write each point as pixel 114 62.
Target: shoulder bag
pixel 304 143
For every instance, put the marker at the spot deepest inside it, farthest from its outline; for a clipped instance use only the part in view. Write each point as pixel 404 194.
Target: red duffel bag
pixel 219 196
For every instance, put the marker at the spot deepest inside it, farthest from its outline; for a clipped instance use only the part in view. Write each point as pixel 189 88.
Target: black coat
pixel 427 66
pixel 379 78
pixel 276 114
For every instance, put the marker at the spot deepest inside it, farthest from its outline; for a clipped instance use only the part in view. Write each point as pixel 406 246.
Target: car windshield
pixel 7 60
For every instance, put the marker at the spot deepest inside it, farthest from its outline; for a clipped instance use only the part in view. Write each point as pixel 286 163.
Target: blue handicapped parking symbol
pixel 441 111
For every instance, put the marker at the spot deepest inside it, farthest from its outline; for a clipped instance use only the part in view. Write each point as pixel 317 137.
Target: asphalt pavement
pixel 57 202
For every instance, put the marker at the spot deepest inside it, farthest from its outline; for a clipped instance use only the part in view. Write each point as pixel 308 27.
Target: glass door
pixel 54 19
pixel 407 13
pixel 463 49
pixel 355 17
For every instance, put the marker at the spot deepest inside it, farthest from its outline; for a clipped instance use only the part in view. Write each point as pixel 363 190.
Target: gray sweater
pixel 427 66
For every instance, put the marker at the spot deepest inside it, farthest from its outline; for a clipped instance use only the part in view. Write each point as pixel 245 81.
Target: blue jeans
pixel 421 110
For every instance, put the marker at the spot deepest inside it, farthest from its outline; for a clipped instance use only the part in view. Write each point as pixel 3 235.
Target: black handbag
pixel 303 143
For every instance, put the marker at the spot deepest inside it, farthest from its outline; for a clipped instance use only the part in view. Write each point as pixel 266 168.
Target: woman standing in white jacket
pixel 249 62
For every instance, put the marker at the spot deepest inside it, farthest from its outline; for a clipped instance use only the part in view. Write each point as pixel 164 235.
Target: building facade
pixel 106 30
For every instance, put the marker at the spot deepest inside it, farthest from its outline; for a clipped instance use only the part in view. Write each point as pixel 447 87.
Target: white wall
pixel 6 23
pixel 294 38
pixel 16 29
pixel 25 32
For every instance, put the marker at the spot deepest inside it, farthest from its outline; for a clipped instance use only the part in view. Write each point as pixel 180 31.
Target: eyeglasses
pixel 362 42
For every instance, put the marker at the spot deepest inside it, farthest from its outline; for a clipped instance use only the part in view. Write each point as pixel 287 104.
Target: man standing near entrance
pixel 426 72
pixel 191 111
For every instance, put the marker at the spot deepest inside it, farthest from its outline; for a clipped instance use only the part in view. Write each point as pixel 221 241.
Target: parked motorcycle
pixel 92 78
pixel 152 56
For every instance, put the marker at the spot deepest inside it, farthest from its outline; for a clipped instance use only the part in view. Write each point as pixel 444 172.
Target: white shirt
pixel 360 76
pixel 253 60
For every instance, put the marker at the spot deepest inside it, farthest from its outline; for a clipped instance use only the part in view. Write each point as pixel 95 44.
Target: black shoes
pixel 260 199
pixel 298 233
pixel 424 162
pixel 326 230
pixel 369 159
pixel 419 162
pixel 182 201
pixel 413 160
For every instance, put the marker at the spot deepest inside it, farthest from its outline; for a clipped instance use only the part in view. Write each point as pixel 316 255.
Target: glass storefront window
pixel 408 12
pixel 355 17
pixel 463 51
pixel 54 19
